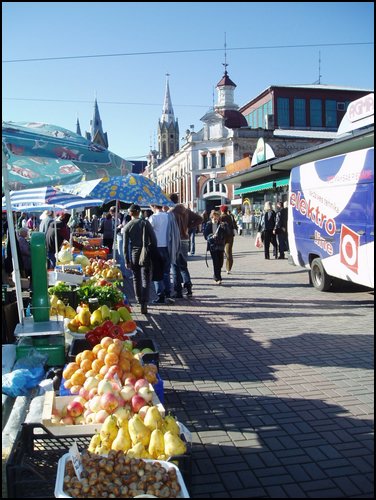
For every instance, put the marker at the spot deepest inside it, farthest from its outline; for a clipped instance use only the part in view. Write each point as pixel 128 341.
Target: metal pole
pixel 12 238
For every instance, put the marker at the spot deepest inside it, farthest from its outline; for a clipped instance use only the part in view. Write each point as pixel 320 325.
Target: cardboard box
pixel 51 401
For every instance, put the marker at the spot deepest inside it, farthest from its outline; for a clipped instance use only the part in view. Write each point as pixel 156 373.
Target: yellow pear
pixel 70 312
pixel 153 419
pixel 138 431
pixel 60 307
pixel 109 429
pixel 173 445
pixel 122 442
pixel 156 445
pixel 84 317
pixel 94 443
pixel 53 301
pixel 137 451
pixel 170 424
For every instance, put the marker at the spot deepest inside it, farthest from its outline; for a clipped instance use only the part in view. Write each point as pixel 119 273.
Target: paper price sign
pixel 75 456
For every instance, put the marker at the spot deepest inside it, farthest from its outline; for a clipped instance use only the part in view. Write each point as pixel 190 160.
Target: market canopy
pixel 47 197
pixel 132 188
pixel 39 154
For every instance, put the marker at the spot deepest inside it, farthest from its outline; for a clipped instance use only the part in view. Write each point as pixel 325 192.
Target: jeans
pixel 120 254
pixel 192 242
pixel 180 268
pixel 163 287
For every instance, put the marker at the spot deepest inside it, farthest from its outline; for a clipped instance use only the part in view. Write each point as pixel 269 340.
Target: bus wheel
pixel 320 279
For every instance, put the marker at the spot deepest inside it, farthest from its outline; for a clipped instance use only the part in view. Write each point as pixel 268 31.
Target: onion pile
pixel 118 476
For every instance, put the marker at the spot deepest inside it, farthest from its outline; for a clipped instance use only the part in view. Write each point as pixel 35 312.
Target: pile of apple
pixel 106 380
pixel 100 268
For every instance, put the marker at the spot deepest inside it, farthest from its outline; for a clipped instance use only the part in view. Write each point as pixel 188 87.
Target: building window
pixel 283 112
pixel 299 113
pixel 330 113
pixel 315 110
pixel 204 161
pixel 213 160
pixel 223 160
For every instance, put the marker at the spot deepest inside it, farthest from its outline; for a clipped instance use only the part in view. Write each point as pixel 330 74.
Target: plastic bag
pixel 33 359
pixel 258 241
pixel 18 382
pixel 27 373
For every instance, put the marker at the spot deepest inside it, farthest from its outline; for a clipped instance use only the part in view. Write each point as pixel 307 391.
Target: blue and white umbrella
pixel 47 197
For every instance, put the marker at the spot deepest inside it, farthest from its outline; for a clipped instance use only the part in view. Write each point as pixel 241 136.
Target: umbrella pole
pixel 12 238
pixel 114 245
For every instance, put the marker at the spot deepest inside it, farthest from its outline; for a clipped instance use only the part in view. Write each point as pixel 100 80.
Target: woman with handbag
pixel 139 238
pixel 215 236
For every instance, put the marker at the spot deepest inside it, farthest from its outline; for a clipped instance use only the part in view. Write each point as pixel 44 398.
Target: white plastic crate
pixel 59 485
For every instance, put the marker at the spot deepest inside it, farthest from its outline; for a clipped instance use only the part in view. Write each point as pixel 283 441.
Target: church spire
pixel 167 111
pixel 168 128
pixel 96 134
pixel 96 122
pixel 78 128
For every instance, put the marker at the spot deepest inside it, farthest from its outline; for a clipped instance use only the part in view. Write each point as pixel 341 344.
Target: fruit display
pixel 108 379
pixel 100 268
pixel 144 435
pixel 58 308
pixel 119 476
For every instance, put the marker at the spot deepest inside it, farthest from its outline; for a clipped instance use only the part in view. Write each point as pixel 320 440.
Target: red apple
pixel 93 392
pixel 75 408
pixel 141 382
pixel 127 392
pixel 130 380
pixel 109 402
pixel 137 403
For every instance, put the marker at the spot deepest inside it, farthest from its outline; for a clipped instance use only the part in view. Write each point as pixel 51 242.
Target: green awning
pixel 263 187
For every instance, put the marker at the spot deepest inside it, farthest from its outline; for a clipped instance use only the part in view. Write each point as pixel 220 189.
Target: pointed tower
pixel 78 128
pixel 97 135
pixel 168 128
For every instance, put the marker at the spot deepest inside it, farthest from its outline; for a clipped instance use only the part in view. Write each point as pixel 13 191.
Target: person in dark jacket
pixel 107 228
pixel 133 242
pixel 214 233
pixel 229 242
pixel 280 229
pixel 266 228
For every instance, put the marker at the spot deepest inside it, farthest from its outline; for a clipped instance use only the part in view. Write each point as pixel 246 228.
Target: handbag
pixel 144 259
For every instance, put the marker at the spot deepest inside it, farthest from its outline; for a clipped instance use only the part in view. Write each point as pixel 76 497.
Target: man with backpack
pixel 231 229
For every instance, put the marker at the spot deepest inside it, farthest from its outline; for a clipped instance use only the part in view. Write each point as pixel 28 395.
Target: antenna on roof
pixel 320 75
pixel 225 63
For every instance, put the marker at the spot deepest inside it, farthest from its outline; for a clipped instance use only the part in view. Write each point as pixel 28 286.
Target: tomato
pixel 106 327
pixel 116 332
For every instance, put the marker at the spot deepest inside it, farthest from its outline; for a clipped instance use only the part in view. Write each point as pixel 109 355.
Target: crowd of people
pixel 167 234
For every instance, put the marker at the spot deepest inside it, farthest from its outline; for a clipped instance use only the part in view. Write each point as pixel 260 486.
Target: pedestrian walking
pixel 215 235
pixel 186 219
pixel 266 228
pixel 229 239
pixel 136 232
pixel 280 229
pixel 160 222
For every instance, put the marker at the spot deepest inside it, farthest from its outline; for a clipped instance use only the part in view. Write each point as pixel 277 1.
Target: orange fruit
pixel 111 359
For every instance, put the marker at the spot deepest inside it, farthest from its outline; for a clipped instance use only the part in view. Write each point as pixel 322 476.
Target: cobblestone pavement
pixel 273 378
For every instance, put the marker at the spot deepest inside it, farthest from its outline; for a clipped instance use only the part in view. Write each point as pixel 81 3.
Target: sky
pixel 267 43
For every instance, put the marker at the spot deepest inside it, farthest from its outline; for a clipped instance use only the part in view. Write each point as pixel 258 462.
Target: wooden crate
pixel 51 402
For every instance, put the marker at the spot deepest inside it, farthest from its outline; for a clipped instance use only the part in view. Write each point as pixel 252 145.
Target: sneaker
pixel 188 289
pixel 228 272
pixel 159 300
pixel 169 300
pixel 144 309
